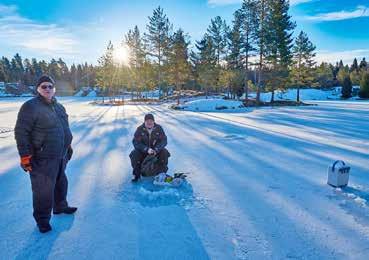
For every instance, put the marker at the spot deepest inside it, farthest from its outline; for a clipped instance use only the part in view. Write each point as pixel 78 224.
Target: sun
pixel 121 55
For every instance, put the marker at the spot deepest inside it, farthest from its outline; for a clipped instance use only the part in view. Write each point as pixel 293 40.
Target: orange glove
pixel 26 163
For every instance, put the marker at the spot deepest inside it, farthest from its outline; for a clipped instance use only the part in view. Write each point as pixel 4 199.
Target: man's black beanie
pixel 45 78
pixel 149 116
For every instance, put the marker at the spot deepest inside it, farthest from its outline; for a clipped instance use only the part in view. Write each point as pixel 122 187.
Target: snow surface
pixel 256 189
pixel 212 105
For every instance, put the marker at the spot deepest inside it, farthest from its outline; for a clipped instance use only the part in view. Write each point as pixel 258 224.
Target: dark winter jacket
pixel 142 140
pixel 42 129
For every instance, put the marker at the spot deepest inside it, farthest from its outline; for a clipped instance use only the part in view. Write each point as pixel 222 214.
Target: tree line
pixel 255 52
pixel 27 71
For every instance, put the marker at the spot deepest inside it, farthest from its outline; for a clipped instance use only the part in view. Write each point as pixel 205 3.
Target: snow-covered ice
pixel 212 105
pixel 256 189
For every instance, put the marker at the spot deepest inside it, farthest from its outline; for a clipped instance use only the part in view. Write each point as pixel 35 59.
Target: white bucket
pixel 338 174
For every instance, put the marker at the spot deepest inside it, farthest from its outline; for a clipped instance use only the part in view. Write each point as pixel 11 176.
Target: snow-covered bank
pixel 212 105
pixel 305 94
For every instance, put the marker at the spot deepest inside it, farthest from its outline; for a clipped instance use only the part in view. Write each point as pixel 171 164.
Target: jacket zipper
pixel 61 125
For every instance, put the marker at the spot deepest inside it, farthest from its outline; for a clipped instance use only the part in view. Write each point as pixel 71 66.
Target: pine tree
pixel 53 69
pixel 324 75
pixel 303 56
pixel 346 87
pixel 343 73
pixel 279 44
pixel 17 68
pixel 354 66
pixel 335 70
pixel 249 35
pixel 262 40
pixel 36 69
pixel 234 71
pixel 148 76
pixel 63 69
pixel 80 75
pixel 217 31
pixel 137 58
pixel 205 62
pixel 363 64
pixel 106 70
pixel 158 40
pixel 364 86
pixel 2 72
pixel 355 77
pixel 343 77
pixel 28 72
pixel 235 40
pixel 225 78
pixel 7 69
pixel 340 64
pixel 73 76
pixel 43 67
pixel 179 66
pixel 136 49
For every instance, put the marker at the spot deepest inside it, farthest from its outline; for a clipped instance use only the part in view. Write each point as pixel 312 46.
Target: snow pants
pixel 137 157
pixel 49 187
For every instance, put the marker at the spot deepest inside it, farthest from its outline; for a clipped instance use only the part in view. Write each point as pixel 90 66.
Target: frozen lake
pixel 257 186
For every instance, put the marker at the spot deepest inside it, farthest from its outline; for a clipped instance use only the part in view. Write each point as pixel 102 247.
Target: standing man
pixel 44 144
pixel 149 139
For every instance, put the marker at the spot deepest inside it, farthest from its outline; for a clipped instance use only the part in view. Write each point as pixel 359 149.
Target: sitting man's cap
pixel 149 116
pixel 45 78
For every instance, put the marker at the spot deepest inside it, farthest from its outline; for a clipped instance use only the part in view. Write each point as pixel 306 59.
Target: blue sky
pixel 79 30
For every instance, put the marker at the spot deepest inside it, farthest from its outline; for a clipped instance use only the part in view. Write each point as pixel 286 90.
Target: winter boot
pixel 136 174
pixel 135 178
pixel 44 227
pixel 67 210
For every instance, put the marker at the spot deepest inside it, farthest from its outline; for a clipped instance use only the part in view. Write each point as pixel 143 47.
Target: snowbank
pixel 92 94
pixel 212 105
pixel 305 94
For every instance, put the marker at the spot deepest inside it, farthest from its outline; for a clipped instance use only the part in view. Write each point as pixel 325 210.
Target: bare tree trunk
pixel 298 94
pixel 272 98
pixel 259 82
pixel 179 93
pixel 246 87
pixel 299 77
pixel 262 17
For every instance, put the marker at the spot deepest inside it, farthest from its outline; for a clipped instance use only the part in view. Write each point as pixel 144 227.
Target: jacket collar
pixel 53 100
pixel 144 127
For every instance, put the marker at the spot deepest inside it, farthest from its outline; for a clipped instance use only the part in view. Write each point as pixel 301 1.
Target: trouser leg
pixel 137 158
pixel 163 156
pixel 43 179
pixel 61 188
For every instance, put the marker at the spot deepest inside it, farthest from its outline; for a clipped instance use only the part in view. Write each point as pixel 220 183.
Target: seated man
pixel 149 139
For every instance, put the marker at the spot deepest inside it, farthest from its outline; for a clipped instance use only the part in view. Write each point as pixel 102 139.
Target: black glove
pixel 69 153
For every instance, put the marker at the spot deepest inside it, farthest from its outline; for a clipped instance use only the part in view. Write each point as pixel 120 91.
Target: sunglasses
pixel 47 86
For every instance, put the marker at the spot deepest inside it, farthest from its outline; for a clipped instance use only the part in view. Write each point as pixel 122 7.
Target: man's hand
pixel 26 163
pixel 151 151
